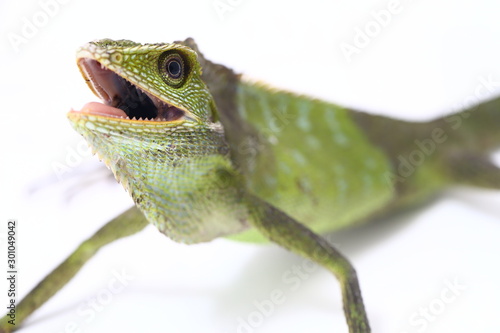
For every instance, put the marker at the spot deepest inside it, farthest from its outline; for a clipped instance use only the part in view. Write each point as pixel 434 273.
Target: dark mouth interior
pixel 117 92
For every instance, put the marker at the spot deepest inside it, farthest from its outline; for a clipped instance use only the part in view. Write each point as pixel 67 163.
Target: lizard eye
pixel 172 69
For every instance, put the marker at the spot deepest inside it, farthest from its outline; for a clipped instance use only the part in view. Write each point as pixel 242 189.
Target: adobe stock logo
pixel 222 7
pixel 407 164
pixel 89 310
pixel 291 280
pixel 31 26
pixel 424 148
pixel 426 315
pixel 380 19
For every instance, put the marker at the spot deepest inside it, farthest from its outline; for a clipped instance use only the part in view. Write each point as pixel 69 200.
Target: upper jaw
pixel 123 99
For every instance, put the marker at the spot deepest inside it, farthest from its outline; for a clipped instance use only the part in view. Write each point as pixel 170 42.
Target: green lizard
pixel 208 154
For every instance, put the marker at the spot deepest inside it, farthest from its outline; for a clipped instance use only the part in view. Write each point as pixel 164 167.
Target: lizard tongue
pixel 102 110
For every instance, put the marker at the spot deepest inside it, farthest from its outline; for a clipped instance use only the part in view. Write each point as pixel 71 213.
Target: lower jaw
pixel 97 109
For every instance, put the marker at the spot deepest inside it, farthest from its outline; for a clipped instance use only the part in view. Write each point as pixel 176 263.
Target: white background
pixel 424 63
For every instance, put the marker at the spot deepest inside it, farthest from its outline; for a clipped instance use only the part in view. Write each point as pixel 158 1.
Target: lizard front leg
pixel 290 234
pixel 126 224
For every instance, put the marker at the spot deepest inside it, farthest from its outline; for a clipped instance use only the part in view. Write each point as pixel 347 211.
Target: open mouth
pixel 123 99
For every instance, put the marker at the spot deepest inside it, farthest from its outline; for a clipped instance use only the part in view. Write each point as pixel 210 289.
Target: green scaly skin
pixel 209 154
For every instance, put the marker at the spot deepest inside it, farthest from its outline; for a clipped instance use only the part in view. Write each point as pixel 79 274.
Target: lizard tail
pixel 429 156
pixel 472 136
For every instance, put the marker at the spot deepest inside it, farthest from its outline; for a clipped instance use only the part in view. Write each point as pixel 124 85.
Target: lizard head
pixel 156 128
pixel 152 96
pixel 150 82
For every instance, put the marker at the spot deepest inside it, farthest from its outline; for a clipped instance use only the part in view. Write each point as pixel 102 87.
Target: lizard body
pixel 311 159
pixel 205 153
